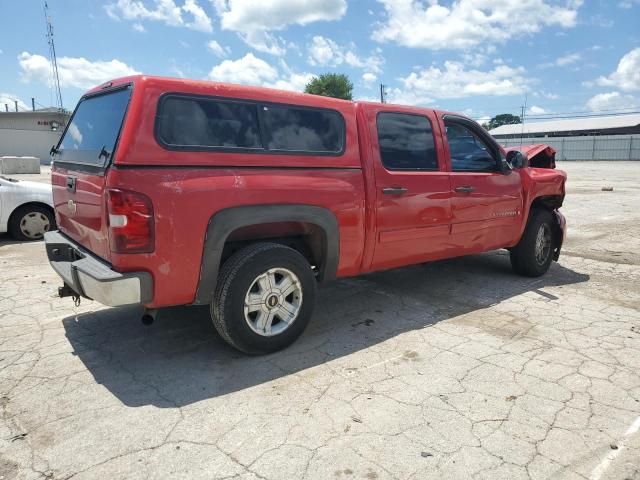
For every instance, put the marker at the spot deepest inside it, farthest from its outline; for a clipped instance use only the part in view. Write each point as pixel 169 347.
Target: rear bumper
pixel 93 278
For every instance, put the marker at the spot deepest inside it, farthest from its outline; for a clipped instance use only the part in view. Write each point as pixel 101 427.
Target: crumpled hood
pixel 533 150
pixel 539 155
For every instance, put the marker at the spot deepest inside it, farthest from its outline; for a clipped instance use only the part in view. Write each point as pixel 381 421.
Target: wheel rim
pixel 543 244
pixel 34 225
pixel 273 302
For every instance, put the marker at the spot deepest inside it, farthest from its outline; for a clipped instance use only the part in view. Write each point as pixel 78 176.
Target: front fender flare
pixel 224 222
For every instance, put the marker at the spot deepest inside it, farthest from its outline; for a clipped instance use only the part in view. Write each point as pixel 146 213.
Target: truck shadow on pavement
pixel 180 359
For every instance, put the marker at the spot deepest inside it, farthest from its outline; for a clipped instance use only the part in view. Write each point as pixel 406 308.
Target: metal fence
pixel 598 147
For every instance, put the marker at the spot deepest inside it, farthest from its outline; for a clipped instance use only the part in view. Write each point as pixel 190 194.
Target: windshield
pixel 93 131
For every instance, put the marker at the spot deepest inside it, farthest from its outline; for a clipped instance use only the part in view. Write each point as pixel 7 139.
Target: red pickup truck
pixel 178 192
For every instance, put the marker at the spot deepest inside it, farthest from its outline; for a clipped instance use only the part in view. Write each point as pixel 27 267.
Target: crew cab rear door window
pixel 91 136
pixel 406 142
pixel 186 122
pixel 294 129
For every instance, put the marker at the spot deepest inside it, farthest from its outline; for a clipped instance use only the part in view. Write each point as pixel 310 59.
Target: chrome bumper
pixel 93 278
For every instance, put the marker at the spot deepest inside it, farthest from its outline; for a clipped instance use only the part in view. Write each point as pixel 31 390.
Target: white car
pixel 26 209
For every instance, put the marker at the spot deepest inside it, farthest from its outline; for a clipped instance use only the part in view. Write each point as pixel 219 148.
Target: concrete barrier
pixel 12 165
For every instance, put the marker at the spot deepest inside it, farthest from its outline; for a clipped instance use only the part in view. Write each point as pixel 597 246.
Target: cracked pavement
pixel 454 369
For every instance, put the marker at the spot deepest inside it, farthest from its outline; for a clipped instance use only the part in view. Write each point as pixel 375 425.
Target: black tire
pixel 21 214
pixel 524 259
pixel 237 276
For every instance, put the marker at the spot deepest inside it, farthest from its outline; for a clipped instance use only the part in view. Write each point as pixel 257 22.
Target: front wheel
pixel 534 253
pixel 264 298
pixel 31 222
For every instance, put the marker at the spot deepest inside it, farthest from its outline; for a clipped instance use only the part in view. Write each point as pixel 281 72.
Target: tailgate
pixel 80 163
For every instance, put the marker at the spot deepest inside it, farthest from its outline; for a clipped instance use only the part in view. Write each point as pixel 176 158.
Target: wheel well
pixel 39 204
pixel 311 230
pixel 550 202
pixel 306 238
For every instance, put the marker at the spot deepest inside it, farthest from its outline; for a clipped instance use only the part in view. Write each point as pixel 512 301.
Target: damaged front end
pixel 538 156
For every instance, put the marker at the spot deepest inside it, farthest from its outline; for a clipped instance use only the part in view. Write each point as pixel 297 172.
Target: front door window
pixel 469 152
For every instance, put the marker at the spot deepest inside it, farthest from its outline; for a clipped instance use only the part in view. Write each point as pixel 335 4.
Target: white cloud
pixel 535 110
pixel 468 23
pixel 627 75
pixel 217 49
pixel 475 59
pixel 548 95
pixel 454 81
pixel 628 3
pixel 563 61
pixel 138 27
pixel 369 77
pixel 251 70
pixel 253 20
pixel 325 52
pixel 601 21
pixel 611 101
pixel 189 15
pixel 568 59
pixel 292 81
pixel 264 42
pixel 251 15
pixel 10 99
pixel 73 71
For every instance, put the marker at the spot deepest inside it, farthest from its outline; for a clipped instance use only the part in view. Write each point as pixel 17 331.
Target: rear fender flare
pixel 224 222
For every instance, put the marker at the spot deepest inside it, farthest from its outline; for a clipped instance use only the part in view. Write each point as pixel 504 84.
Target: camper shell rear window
pixel 91 135
pixel 202 123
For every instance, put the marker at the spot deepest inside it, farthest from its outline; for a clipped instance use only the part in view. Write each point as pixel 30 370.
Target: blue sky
pixel 480 57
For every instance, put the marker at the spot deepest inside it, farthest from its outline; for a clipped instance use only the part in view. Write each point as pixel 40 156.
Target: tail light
pixel 131 224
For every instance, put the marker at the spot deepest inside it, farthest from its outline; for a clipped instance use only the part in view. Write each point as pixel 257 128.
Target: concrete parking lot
pixel 454 369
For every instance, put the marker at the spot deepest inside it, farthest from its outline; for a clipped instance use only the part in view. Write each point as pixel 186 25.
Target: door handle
pixel 465 189
pixel 71 184
pixel 394 190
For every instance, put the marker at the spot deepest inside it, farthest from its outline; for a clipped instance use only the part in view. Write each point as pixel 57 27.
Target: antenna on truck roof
pixel 52 58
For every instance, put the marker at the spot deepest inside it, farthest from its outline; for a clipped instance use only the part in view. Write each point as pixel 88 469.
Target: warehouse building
pixel 609 125
pixel 31 134
pixel 595 138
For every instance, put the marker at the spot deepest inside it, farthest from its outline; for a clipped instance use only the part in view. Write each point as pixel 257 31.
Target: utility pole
pixel 52 58
pixel 522 117
pixel 33 104
pixel 16 102
pixel 383 93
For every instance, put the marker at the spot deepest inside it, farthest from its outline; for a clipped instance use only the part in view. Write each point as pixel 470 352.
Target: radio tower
pixel 52 58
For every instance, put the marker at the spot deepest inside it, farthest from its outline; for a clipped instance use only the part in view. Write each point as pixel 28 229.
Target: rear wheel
pixel 264 298
pixel 534 253
pixel 31 222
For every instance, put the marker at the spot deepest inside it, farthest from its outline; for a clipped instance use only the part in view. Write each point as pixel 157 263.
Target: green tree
pixel 502 119
pixel 335 85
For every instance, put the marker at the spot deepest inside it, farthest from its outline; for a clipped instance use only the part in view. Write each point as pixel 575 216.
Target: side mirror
pixel 517 159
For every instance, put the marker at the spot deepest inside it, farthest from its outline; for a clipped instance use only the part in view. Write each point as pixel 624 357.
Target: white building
pixel 605 125
pixel 31 134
